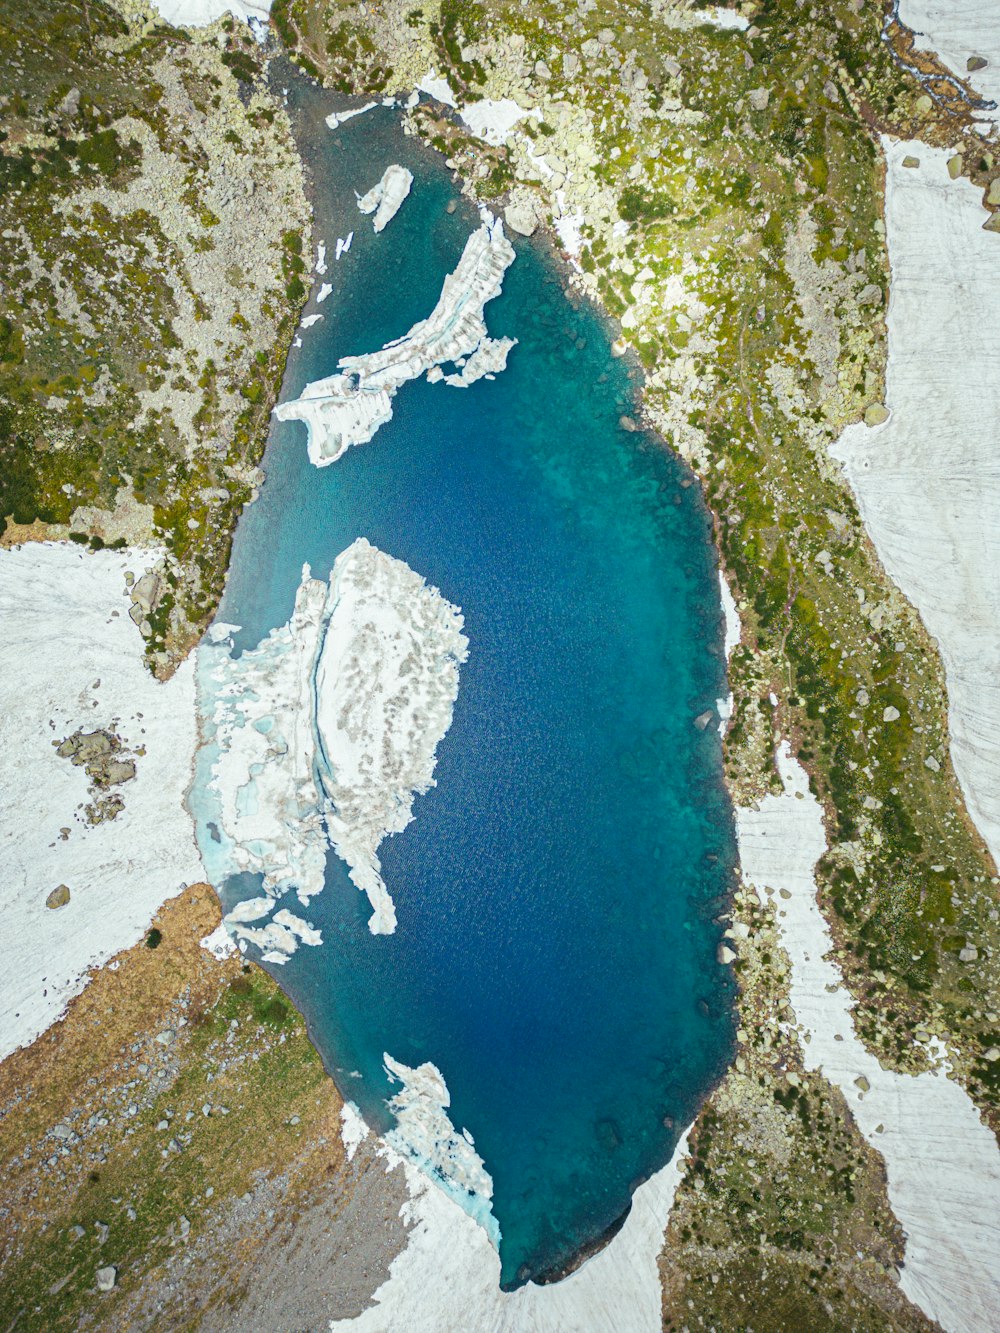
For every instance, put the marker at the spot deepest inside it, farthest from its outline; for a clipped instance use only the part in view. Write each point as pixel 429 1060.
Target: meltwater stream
pixel 559 889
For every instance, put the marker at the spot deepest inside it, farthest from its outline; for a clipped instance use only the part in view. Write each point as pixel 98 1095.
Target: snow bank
pixel 942 1162
pixel 437 87
pixel 386 198
pixel 447 1279
pixel 958 30
pixel 348 407
pixel 324 734
pixel 493 120
pixel 928 480
pixel 71 658
pixel 198 13
pixel 425 1135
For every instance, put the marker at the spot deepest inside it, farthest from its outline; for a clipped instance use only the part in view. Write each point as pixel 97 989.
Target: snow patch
pixel 437 87
pixel 927 482
pixel 70 658
pixel 493 120
pixel 958 30
pixel 337 118
pixel 199 13
pixel 942 1162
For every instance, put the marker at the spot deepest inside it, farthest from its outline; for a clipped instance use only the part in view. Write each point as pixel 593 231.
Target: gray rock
pixel 911 161
pixel 106 1278
pixel 521 218
pixel 993 193
pixel 968 954
pixel 571 63
pixel 147 590
pixel 890 714
pixel 542 70
pixel 976 63
pixel 870 295
pixel 70 104
pixel 759 98
pixel 876 414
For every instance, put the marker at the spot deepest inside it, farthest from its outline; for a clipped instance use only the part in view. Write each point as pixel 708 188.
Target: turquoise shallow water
pixel 559 890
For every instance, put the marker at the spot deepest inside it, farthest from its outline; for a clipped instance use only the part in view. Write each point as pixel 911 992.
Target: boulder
pixel 759 98
pixel 106 1278
pixel 955 165
pixel 976 63
pixel 59 897
pixel 876 414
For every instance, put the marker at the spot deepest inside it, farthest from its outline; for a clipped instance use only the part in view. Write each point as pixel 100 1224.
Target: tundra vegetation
pixel 151 225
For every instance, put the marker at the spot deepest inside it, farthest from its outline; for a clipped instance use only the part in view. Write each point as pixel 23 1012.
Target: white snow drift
pixel 71 658
pixel 942 1163
pixel 447 1279
pixel 928 480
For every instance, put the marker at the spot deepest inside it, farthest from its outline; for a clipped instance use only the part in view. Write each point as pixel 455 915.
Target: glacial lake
pixel 559 890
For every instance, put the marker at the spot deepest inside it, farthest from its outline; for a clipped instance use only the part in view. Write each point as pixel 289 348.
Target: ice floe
pixel 320 265
pixel 348 407
pixel 942 1162
pixel 927 480
pixel 386 198
pixel 337 118
pixel 199 13
pixel 71 659
pixel 325 289
pixel 424 1134
pixel 447 1279
pixel 324 734
pixel 343 244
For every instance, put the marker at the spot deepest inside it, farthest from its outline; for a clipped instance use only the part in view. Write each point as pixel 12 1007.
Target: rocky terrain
pixel 151 224
pixel 171 1152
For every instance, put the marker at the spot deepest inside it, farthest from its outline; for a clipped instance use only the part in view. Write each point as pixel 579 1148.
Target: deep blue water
pixel 558 890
